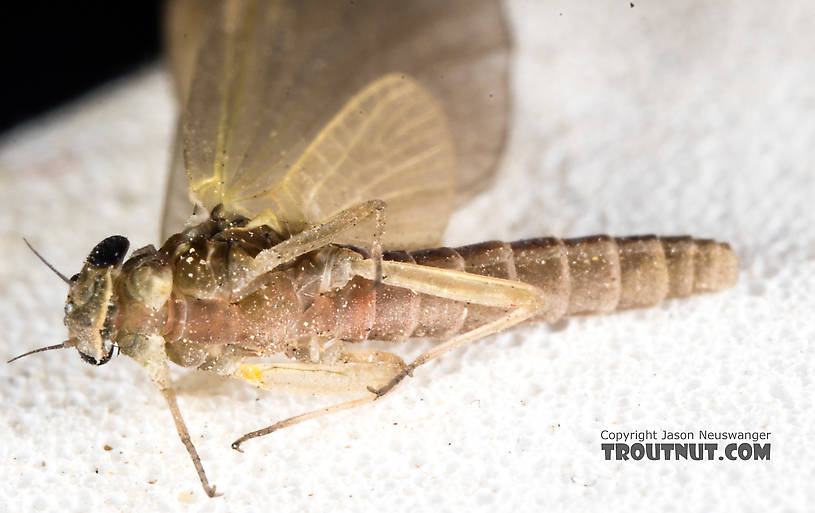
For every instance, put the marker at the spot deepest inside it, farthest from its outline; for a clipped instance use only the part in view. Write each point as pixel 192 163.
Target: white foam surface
pixel 695 117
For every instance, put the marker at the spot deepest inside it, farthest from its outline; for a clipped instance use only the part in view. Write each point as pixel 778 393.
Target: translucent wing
pixel 272 76
pixel 185 22
pixel 177 202
pixel 389 142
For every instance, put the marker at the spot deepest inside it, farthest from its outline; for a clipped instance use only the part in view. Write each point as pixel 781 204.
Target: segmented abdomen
pixel 589 275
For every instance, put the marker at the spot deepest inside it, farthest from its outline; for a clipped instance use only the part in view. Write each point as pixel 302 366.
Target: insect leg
pixel 181 428
pixel 357 370
pixel 354 372
pixel 302 418
pixel 149 351
pixel 520 299
pixel 324 234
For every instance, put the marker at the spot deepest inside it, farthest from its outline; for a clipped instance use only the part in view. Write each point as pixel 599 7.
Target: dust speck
pixel 186 497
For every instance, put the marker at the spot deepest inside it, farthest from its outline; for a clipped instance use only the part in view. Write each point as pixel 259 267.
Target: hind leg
pixel 520 299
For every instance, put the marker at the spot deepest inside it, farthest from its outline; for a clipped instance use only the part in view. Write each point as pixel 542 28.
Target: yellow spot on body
pixel 251 373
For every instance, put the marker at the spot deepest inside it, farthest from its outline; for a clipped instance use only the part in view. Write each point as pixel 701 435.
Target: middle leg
pixel 353 374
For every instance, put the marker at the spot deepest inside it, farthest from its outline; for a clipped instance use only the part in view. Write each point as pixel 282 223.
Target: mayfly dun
pixel 324 145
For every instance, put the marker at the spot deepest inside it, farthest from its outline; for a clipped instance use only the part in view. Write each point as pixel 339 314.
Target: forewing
pixel 272 75
pixel 389 142
pixel 177 203
pixel 185 24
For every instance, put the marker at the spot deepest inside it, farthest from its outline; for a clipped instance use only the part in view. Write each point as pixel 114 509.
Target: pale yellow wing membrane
pixel 389 142
pixel 270 76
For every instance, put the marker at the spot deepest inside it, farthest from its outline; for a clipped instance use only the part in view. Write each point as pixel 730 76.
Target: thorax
pixel 198 291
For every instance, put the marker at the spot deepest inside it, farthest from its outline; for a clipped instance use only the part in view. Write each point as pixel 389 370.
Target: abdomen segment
pixel 588 275
pixel 600 274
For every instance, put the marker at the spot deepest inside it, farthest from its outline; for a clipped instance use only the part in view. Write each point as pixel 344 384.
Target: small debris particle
pixel 631 4
pixel 107 447
pixel 42 464
pixel 152 481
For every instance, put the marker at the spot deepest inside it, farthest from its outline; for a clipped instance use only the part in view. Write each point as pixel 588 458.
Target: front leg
pixel 149 351
pixel 324 234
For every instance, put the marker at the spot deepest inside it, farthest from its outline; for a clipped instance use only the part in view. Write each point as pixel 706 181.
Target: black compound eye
pixel 109 253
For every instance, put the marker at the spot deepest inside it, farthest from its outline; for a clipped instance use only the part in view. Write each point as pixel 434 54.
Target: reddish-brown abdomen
pixel 589 275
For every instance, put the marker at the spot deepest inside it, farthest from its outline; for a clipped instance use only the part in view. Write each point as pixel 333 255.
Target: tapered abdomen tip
pixel 716 266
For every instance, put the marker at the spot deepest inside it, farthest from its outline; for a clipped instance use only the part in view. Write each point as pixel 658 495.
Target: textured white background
pixel 694 117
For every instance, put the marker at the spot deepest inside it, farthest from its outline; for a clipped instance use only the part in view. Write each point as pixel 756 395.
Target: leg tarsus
pixel 181 427
pixel 300 418
pixel 407 371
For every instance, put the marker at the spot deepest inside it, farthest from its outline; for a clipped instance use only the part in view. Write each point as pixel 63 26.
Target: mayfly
pixel 326 144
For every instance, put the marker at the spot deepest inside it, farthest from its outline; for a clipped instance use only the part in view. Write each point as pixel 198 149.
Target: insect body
pixel 303 254
pixel 199 301
pixel 194 294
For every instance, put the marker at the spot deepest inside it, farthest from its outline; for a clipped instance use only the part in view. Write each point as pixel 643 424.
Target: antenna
pixel 43 260
pixel 65 344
